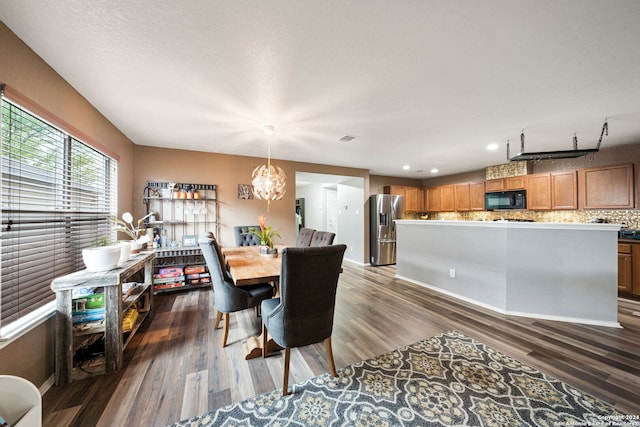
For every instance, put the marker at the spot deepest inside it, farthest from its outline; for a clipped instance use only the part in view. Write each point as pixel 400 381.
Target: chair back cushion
pixel 322 238
pixel 308 283
pixel 244 239
pixel 227 297
pixel 304 237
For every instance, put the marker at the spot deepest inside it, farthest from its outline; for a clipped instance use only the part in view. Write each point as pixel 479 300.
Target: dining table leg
pixel 253 347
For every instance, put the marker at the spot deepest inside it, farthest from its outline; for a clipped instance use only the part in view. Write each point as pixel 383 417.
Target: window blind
pixel 58 195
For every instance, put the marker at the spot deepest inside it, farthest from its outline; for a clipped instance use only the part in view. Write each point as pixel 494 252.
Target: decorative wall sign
pixel 245 191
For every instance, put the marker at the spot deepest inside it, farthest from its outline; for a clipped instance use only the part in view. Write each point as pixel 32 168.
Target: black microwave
pixel 505 200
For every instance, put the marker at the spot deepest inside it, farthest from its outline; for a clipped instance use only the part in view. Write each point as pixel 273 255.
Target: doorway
pixel 331 212
pixel 335 203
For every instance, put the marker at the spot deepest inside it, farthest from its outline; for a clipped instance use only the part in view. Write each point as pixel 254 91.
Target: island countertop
pixel 558 271
pixel 516 224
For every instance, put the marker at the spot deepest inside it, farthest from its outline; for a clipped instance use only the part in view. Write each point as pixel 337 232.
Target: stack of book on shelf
pixel 129 319
pixel 169 277
pixel 88 305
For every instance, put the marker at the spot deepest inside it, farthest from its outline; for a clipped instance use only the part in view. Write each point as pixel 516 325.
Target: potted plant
pixel 126 226
pixel 101 257
pixel 265 234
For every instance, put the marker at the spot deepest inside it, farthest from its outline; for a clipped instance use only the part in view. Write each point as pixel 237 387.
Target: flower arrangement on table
pixel 126 226
pixel 265 234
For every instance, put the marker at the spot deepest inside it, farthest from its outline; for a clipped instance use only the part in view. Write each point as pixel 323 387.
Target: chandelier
pixel 268 180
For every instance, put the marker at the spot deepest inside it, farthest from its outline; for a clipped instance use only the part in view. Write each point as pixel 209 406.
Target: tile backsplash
pixel 614 216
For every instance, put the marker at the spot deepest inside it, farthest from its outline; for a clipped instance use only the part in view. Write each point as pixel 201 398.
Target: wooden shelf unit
pixel 176 217
pixel 69 338
pixel 183 258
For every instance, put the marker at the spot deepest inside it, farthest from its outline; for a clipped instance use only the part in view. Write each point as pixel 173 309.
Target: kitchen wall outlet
pixel 452 273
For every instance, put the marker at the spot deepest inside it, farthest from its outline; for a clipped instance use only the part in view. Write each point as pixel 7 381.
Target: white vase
pixel 101 258
pixel 125 252
pixel 135 247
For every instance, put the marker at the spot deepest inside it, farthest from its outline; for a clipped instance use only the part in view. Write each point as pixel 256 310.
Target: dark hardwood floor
pixel 175 367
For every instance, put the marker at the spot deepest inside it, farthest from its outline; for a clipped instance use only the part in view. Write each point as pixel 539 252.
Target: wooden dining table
pixel 248 267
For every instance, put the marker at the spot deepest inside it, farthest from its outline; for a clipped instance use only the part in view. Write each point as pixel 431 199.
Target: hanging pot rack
pixel 558 154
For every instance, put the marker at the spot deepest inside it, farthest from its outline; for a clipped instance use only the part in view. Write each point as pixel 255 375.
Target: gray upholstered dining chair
pixel 227 297
pixel 322 238
pixel 304 237
pixel 243 238
pixel 303 314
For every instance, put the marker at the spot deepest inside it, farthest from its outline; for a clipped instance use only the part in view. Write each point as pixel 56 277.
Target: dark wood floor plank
pixel 175 366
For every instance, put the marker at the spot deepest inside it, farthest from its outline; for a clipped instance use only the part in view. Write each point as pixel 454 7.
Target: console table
pixel 116 303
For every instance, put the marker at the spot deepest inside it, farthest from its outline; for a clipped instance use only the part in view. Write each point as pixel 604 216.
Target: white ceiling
pixel 428 83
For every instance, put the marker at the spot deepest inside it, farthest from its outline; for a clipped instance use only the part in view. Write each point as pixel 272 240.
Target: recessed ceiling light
pixel 406 167
pixel 492 147
pixel 434 170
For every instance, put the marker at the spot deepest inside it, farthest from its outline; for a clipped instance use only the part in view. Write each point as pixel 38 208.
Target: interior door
pixel 332 211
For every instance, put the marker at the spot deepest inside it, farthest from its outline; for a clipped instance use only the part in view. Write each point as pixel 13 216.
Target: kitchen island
pixel 557 271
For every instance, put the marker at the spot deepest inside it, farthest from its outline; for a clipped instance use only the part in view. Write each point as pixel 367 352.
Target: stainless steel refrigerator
pixel 384 209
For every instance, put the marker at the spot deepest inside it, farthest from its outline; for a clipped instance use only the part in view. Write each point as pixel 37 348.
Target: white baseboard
pixel 513 313
pixel 47 385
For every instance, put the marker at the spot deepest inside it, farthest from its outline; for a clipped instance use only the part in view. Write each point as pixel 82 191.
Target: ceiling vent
pixel 559 154
pixel 347 138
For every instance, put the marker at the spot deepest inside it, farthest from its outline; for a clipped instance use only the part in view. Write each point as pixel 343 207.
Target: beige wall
pixel 24 72
pixel 227 171
pixel 378 182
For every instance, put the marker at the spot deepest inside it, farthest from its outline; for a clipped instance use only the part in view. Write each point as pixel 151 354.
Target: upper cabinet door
pixel 434 203
pixel 606 187
pixel 411 199
pixel 506 184
pixel 447 198
pixel 495 185
pixel 515 182
pixel 462 201
pixel 564 190
pixel 476 196
pixel 539 192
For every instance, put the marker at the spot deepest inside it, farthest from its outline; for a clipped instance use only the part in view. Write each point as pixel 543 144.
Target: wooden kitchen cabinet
pixel 412 198
pixel 629 267
pixel 447 198
pixel 462 197
pixel 476 196
pixel 506 184
pixel 551 191
pixel 606 187
pixel 396 190
pixel 625 283
pixel 493 185
pixel 433 199
pixel 564 190
pixel 539 191
pixel 469 196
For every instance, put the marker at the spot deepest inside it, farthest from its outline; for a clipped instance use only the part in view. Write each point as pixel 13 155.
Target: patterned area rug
pixel 446 380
